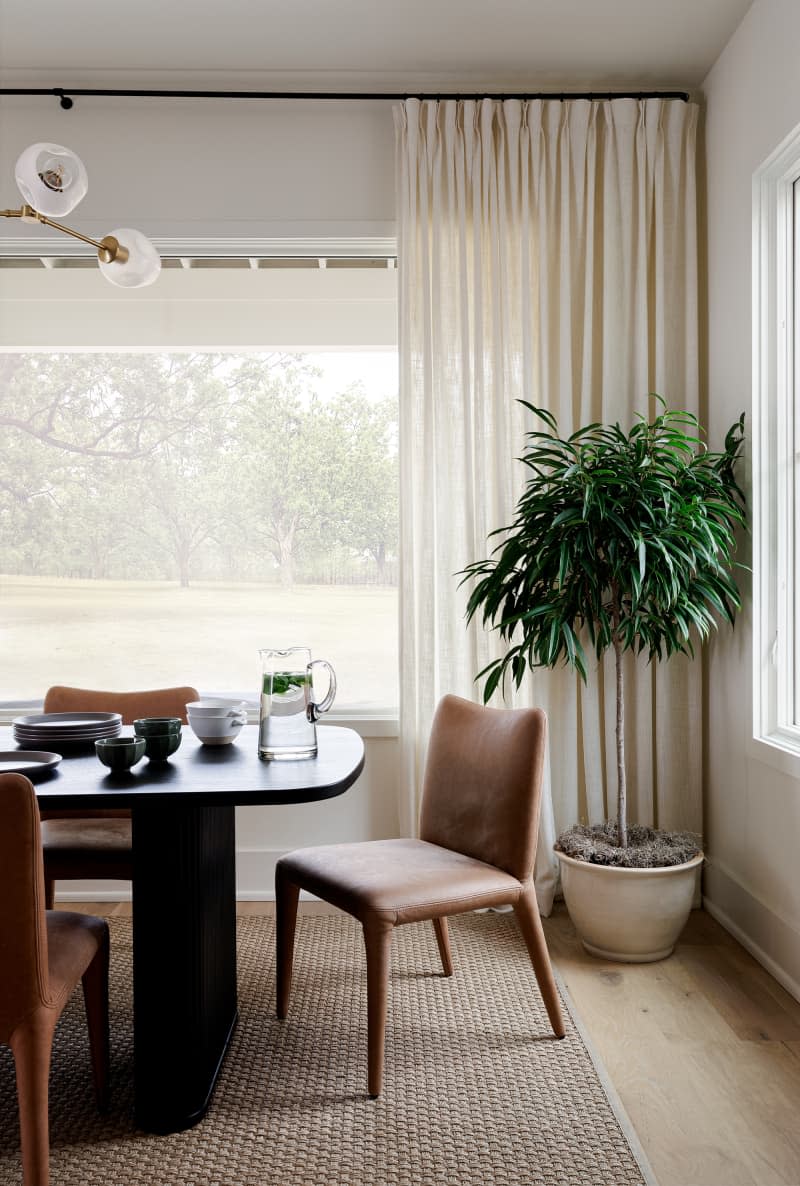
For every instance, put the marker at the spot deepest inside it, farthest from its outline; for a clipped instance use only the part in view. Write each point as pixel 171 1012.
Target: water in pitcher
pixel 285 730
pixel 288 711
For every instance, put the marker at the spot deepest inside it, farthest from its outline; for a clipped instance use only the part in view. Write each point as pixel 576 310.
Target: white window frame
pixel 776 452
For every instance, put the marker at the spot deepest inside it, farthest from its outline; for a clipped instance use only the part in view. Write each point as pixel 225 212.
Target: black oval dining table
pixel 184 893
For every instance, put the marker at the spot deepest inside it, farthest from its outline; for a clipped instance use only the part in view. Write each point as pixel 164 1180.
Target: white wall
pixel 753 806
pixel 209 167
pixel 367 811
pixel 233 170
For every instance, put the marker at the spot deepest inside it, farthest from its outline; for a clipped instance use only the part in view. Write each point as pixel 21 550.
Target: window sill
pixel 777 752
pixel 365 723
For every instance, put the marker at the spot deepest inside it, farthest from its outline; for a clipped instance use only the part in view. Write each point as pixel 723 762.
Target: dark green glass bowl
pixel 146 726
pixel 159 746
pixel 120 753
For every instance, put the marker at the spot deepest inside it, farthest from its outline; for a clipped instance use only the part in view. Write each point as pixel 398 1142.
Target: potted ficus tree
pixel 622 541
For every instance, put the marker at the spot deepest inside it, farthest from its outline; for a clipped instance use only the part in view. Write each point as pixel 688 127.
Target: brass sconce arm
pixel 109 249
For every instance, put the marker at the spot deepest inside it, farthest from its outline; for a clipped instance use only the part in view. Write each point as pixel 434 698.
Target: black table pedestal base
pixel 184 958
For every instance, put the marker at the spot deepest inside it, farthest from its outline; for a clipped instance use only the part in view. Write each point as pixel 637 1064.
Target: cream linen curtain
pixel 547 251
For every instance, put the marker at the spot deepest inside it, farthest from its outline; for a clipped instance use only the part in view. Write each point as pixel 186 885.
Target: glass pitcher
pixel 286 723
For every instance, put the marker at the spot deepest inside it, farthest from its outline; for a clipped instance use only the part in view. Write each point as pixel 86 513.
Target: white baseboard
pixel 770 939
pixel 93 894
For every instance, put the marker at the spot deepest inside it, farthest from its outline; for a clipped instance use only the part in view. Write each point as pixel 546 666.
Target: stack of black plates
pixel 43 730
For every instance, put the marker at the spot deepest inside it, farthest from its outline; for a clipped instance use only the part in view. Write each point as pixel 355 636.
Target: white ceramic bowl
pixel 215 707
pixel 220 730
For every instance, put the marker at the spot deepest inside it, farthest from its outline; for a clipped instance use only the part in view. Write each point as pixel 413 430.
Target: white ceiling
pixel 364 44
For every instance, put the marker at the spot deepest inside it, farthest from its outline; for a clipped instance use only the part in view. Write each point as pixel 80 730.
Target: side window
pixel 776 452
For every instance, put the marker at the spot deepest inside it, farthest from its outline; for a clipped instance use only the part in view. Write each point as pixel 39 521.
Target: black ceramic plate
pixel 26 761
pixel 67 722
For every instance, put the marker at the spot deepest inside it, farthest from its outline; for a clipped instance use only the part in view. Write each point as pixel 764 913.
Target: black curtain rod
pixel 65 94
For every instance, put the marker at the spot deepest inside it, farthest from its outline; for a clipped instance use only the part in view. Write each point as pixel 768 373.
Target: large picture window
pixel 165 513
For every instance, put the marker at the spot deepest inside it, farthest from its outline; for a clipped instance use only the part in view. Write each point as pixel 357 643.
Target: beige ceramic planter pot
pixel 631 915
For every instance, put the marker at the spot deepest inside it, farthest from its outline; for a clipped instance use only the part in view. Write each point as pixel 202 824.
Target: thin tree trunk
pixel 286 571
pixel 622 789
pixel 183 568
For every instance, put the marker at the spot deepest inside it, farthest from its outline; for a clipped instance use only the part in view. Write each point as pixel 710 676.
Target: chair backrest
pixel 483 782
pixel 23 930
pixel 160 702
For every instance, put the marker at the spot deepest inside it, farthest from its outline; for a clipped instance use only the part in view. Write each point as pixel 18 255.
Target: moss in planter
pixel 648 848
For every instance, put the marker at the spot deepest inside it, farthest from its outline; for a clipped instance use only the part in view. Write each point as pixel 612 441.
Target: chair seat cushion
pixel 399 880
pixel 87 839
pixel 72 942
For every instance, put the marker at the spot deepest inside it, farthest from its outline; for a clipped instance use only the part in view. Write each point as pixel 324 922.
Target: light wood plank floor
pixel 703 1049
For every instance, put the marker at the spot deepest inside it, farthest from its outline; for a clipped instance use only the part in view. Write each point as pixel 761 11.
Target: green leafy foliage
pixel 282 681
pixel 620 538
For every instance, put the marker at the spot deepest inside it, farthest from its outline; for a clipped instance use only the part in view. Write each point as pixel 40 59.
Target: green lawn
pixel 123 635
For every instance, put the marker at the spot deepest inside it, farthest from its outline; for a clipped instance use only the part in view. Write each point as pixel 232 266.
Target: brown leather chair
pixel 83 845
pixel 43 955
pixel 478 831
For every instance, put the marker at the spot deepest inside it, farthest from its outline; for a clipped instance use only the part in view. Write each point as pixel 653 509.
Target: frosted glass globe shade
pixel 51 178
pixel 142 265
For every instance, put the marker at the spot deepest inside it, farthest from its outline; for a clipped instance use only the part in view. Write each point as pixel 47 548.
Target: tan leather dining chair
pixel 43 955
pixel 84 845
pixel 478 830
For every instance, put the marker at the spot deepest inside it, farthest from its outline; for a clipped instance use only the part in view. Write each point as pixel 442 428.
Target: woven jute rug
pixel 476 1092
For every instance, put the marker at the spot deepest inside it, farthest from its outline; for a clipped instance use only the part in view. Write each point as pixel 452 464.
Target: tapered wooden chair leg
pixel 378 943
pixel 31 1044
pixel 287 895
pixel 95 996
pixel 530 924
pixel 49 893
pixel 443 942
